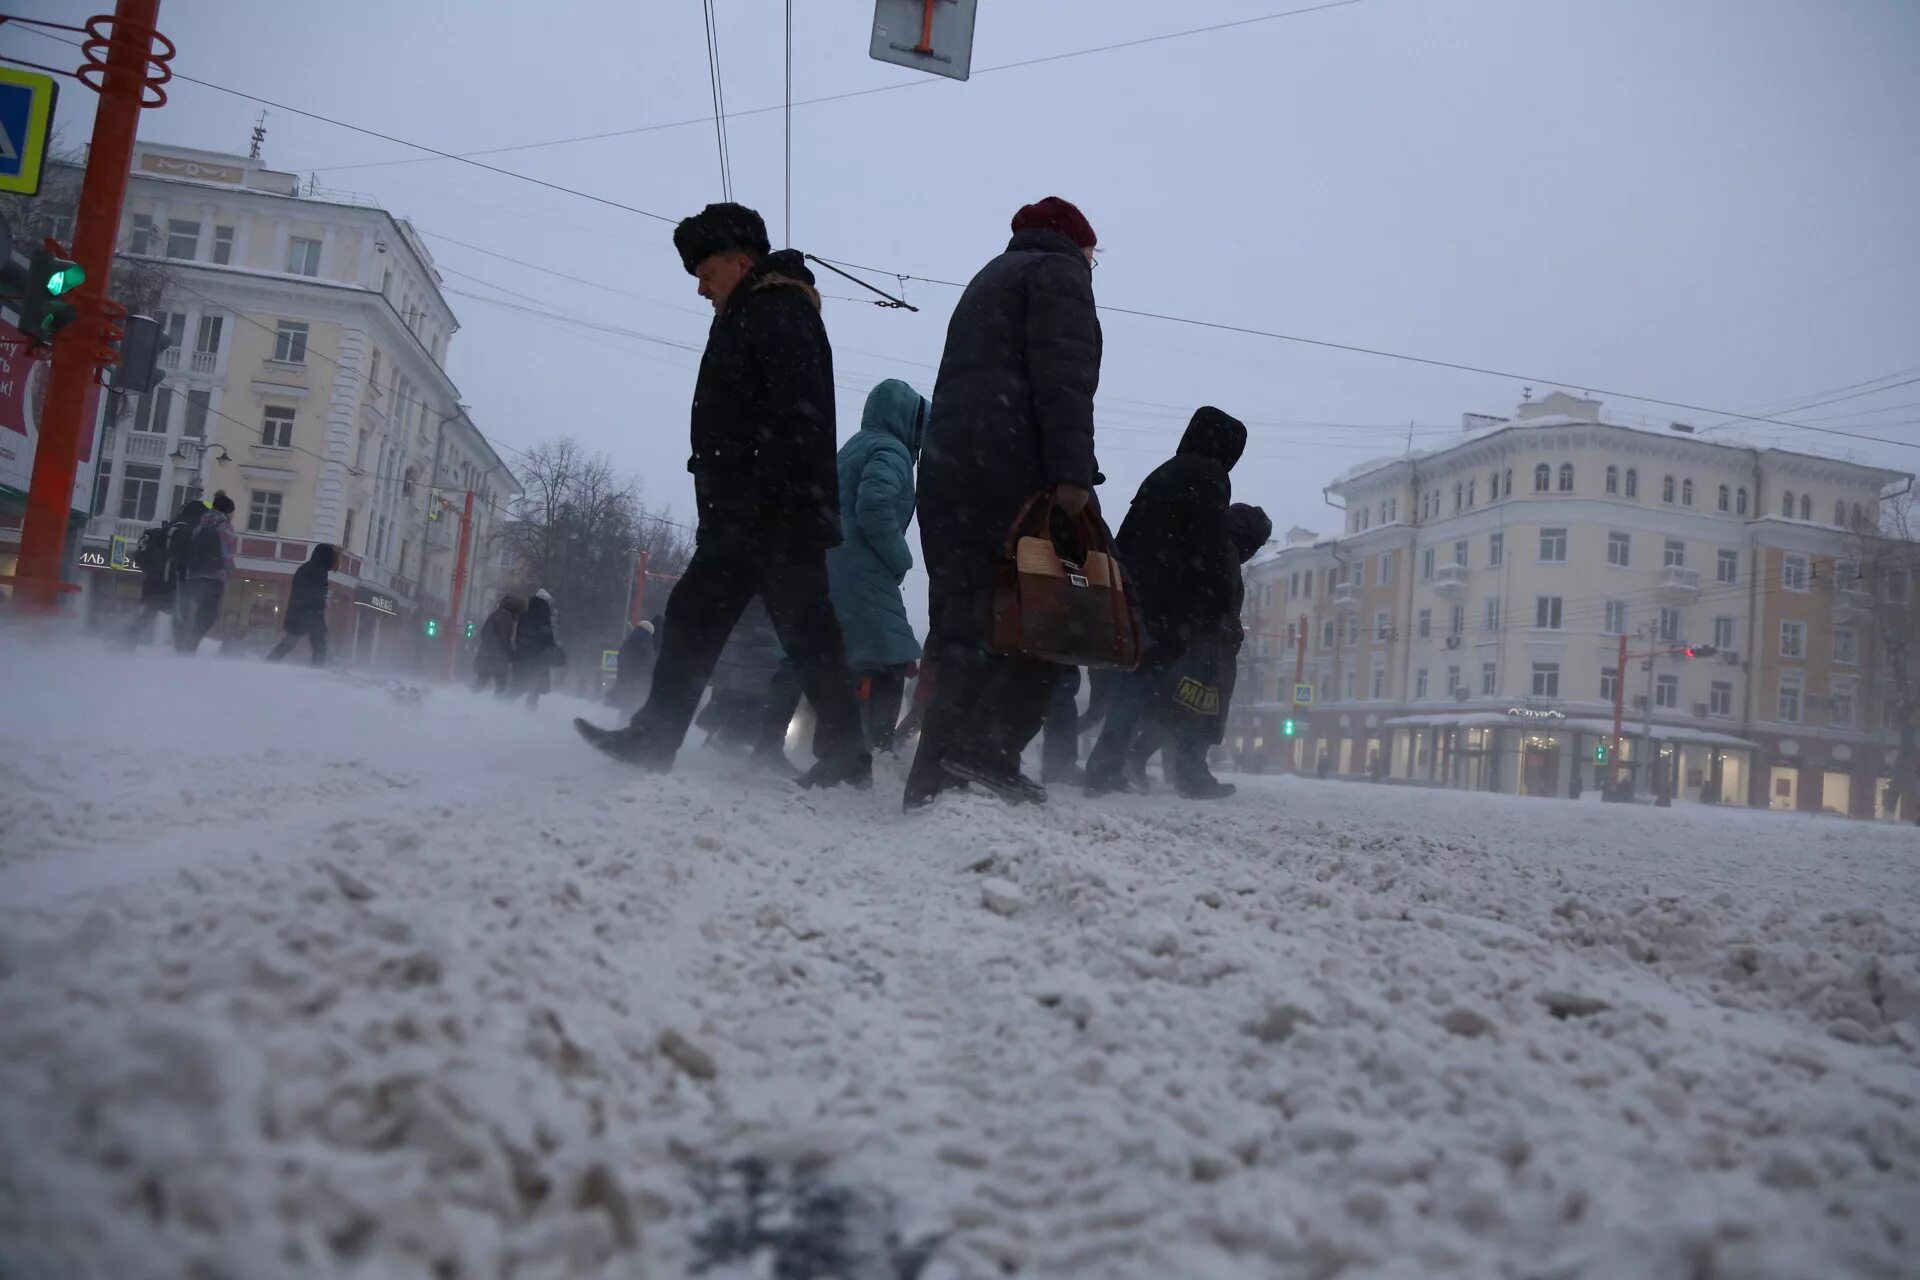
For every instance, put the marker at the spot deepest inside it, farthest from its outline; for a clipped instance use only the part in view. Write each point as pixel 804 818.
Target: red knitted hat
pixel 1055 214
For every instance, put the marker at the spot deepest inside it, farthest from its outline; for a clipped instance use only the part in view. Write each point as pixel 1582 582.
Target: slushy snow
pixel 311 973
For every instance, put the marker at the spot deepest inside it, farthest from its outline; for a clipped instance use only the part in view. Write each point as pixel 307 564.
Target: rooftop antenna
pixel 259 136
pixel 1526 394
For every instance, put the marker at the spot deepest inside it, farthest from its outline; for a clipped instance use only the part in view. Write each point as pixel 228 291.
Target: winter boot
pixel 1003 780
pixel 1110 784
pixel 1193 780
pixel 627 746
pixel 854 771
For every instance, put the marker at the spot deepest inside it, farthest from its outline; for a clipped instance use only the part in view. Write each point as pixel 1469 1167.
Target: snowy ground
pixel 304 973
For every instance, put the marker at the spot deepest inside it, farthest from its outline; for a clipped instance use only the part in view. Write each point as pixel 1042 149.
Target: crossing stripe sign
pixel 26 122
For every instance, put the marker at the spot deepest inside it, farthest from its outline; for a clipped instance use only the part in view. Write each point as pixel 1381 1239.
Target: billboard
pixel 23 395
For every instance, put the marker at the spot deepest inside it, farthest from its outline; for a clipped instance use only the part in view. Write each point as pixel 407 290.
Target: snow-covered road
pixel 303 973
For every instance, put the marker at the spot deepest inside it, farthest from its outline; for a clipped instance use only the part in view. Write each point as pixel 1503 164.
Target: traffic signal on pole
pixel 1287 728
pixel 1700 650
pixel 39 290
pixel 433 627
pixel 1600 753
pixel 469 631
pixel 142 342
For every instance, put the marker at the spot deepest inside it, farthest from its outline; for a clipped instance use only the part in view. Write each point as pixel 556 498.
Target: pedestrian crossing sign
pixel 1303 694
pixel 26 122
pixel 609 660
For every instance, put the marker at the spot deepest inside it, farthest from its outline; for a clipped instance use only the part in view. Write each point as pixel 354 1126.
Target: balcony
pixel 1679 583
pixel 283 372
pixel 1346 595
pixel 170 358
pixel 203 361
pixel 1450 581
pixel 145 446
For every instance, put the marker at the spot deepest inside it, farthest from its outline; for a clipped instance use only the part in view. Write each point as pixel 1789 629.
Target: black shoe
pixel 624 745
pixel 1198 783
pixel 1067 775
pixel 853 771
pixel 1009 784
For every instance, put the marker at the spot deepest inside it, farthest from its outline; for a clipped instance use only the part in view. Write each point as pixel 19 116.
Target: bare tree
pixel 1887 586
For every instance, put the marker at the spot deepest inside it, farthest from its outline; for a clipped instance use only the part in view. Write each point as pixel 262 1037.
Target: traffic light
pixel 1599 753
pixel 1700 650
pixel 1287 728
pixel 433 627
pixel 469 631
pixel 141 344
pixel 39 290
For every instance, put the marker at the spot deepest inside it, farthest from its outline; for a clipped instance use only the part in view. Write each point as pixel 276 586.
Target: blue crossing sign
pixel 26 122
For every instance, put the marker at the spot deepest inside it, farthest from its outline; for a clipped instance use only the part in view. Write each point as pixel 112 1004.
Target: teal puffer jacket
pixel 876 504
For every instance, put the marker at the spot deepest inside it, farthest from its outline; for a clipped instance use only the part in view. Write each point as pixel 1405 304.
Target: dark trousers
pixel 701 612
pixel 1060 742
pixel 1131 702
pixel 880 709
pixel 783 703
pixel 986 708
pixel 198 610
pixel 316 637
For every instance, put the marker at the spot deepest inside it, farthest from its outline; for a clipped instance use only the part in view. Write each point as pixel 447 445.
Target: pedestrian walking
pixel 159 584
pixel 764 482
pixel 1012 415
pixel 536 649
pixel 864 573
pixel 307 606
pixel 208 561
pixel 1177 545
pixel 493 663
pixel 633 669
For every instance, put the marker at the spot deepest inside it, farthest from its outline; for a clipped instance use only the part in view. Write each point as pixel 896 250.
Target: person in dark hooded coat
pixel 1012 416
pixel 634 669
pixel 536 649
pixel 768 500
pixel 1177 544
pixel 493 663
pixel 307 606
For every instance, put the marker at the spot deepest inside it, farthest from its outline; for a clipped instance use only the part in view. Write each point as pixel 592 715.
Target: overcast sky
pixel 1711 201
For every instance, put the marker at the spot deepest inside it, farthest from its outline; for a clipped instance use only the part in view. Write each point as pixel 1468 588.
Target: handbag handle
pixel 1093 536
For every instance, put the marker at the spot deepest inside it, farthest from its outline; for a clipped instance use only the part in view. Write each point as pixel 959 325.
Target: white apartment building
pixel 1464 628
pixel 308 380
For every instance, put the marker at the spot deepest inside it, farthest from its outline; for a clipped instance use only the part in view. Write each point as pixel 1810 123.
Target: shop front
pixel 376 616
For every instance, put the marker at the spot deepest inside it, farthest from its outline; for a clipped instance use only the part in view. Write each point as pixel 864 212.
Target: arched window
pixel 1493 487
pixel 1786 504
pixel 1726 499
pixel 1566 477
pixel 1542 478
pixel 1469 495
pixel 1840 513
pixel 1459 490
pixel 1686 493
pixel 1613 479
pixel 1740 503
pixel 1666 490
pixel 1633 483
pixel 1859 517
pixel 1806 506
pixel 1506 482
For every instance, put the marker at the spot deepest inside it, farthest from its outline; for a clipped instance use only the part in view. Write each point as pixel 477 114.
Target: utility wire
pixel 719 103
pixel 789 122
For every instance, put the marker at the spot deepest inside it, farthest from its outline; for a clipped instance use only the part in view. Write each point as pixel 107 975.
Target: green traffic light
pixel 433 626
pixel 1600 754
pixel 469 631
pixel 65 280
pixel 1286 728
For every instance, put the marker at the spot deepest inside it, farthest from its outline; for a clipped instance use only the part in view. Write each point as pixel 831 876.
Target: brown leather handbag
pixel 1074 611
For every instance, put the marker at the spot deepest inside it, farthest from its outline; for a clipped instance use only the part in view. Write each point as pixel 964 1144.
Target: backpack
pixel 179 542
pixel 204 552
pixel 150 556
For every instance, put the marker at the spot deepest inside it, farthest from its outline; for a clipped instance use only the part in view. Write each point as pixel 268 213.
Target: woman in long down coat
pixel 535 650
pixel 1012 415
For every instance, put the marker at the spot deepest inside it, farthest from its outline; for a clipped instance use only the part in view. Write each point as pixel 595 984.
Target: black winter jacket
pixel 533 639
pixel 763 419
pixel 307 600
pixel 1176 542
pixel 1012 413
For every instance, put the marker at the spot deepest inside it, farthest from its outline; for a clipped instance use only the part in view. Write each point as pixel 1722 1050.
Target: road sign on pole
pixel 1303 695
pixel 927 35
pixel 26 122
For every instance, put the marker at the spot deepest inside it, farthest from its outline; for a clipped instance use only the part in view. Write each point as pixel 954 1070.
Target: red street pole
pixel 1619 704
pixel 459 585
pixel 84 344
pixel 637 610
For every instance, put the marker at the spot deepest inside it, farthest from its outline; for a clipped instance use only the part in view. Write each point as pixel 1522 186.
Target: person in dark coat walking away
pixel 209 560
pixel 536 651
pixel 160 565
pixel 1177 545
pixel 494 661
pixel 307 606
pixel 634 669
pixel 768 501
pixel 1012 415
pixel 865 571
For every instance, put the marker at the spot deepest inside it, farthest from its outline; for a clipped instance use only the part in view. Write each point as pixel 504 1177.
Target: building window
pixel 1546 612
pixel 263 512
pixel 1793 639
pixel 206 340
pixel 346 532
pixel 1546 679
pixel 1633 483
pixel 1349 690
pixel 276 430
pixel 139 492
pixel 1459 491
pixel 1740 502
pixel 1666 691
pixel 1841 704
pixel 1609 683
pixel 1457 620
pixel 1806 506
pixel 1489 679
pixel 1426 565
pixel 1379 684
pixel 1794 573
pixel 1333 578
pixel 1786 504
pixel 1686 492
pixel 1506 482
pixel 1720 698
pixel 1666 490
pixel 1859 517
pixel 406 482
pixel 1470 495
pixel 1453 681
pixel 1790 700
pixel 1293 585
pixel 1675 555
pixel 290 344
pixel 1490 614
pixel 183 239
pixel 1542 478
pixel 1726 499
pixel 1386 570
pixel 1460 553
pixel 199 403
pixel 1353 629
pixel 102 487
pixel 1670 626
pixel 1493 487
pixel 1566 477
pixel 1423 626
pixel 156 411
pixel 1553 546
pixel 1496 549
pixel 1381 626
pixel 223 246
pixel 1420 683
pixel 1326 634
pixel 1306 584
pixel 1726 567
pixel 140 239
pixel 1846 646
pixel 1620 549
pixel 303 257
pixel 1616 617
pixel 1723 637
pixel 1613 479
